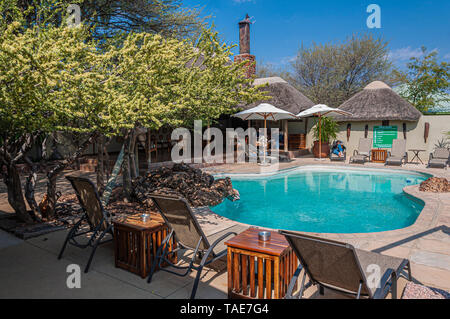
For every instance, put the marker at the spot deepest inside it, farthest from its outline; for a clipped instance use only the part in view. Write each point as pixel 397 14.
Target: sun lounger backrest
pixel 441 153
pixel 328 262
pixel 178 215
pixel 89 200
pixel 365 145
pixel 398 148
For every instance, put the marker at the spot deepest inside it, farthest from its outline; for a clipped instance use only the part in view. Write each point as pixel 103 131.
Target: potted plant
pixel 328 132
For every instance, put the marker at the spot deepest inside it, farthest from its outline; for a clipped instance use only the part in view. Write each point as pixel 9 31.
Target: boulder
pixel 435 185
pixel 199 188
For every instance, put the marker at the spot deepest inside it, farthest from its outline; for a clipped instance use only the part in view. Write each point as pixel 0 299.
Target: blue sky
pixel 282 26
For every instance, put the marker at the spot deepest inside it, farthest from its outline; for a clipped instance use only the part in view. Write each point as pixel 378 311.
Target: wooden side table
pixel 136 242
pixel 259 270
pixel 379 156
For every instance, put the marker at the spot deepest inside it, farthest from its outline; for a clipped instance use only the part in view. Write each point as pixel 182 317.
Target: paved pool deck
pixel 30 269
pixel 426 243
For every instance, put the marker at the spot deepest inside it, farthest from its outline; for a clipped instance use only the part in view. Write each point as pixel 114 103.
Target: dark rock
pixel 199 188
pixel 435 185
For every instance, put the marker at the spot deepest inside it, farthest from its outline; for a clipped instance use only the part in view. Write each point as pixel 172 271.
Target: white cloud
pixel 404 54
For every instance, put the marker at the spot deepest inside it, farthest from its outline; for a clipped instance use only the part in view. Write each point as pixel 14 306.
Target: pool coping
pixel 427 216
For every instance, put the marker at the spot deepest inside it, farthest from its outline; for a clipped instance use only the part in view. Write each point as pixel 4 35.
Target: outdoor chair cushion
pixel 440 162
pixel 394 160
pixel 359 158
pixel 441 153
pixel 335 157
pixel 386 263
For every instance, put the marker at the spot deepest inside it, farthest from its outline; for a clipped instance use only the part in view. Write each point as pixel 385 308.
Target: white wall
pixel 439 125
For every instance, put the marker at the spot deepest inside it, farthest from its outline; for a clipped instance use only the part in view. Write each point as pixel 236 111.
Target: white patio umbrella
pixel 265 112
pixel 321 110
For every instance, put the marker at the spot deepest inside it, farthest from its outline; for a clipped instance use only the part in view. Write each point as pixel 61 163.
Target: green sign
pixel 383 136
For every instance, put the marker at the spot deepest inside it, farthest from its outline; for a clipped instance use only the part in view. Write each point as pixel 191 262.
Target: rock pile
pixel 199 188
pixel 435 185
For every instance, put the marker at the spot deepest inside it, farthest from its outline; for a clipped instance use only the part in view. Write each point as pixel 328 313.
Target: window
pixel 385 123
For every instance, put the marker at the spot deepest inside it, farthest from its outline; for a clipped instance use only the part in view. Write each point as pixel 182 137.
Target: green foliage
pixel 112 17
pixel 56 78
pixel 427 82
pixel 329 129
pixel 332 73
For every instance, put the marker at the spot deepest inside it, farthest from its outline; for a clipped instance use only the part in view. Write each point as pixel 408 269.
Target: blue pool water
pixel 325 200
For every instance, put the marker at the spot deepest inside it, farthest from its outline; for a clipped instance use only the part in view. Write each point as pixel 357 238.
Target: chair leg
pixel 68 237
pixel 155 262
pixel 196 281
pixel 64 246
pixel 94 248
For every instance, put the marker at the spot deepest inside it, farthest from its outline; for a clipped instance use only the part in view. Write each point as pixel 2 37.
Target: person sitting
pixel 338 149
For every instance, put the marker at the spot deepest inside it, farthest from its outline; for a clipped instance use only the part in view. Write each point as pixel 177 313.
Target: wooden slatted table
pixel 136 242
pixel 259 270
pixel 379 156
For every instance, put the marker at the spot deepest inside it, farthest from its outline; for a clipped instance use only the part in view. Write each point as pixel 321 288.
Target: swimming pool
pixel 325 200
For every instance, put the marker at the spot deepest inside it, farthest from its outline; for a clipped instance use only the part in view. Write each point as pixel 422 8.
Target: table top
pixel 248 240
pixel 135 221
pixel 416 150
pixel 378 150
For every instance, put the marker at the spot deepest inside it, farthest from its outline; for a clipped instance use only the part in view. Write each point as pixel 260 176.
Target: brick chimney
pixel 244 47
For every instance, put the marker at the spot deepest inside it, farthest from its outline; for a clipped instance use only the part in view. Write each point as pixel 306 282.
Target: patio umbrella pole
pixel 320 138
pixel 265 138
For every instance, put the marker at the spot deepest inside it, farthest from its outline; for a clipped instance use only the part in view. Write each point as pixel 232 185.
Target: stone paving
pixel 426 243
pixel 29 269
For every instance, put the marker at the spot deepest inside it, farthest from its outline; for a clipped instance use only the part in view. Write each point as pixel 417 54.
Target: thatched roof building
pixel 378 102
pixel 283 95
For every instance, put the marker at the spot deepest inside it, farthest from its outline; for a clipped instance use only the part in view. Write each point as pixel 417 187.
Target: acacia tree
pixel 110 17
pixel 55 78
pixel 427 81
pixel 50 80
pixel 173 82
pixel 332 73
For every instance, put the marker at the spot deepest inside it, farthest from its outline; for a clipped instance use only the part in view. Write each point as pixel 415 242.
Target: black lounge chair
pixel 334 157
pixel 342 268
pixel 98 220
pixel 440 158
pixel 178 215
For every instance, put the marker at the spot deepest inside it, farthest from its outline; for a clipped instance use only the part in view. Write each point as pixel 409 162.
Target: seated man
pixel 338 149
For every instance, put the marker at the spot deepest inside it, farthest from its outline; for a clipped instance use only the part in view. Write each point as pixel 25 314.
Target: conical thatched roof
pixel 283 95
pixel 378 102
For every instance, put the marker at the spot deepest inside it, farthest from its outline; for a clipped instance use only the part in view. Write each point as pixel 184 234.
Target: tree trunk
pixel 132 154
pixel 53 174
pixel 100 166
pixel 112 180
pixel 15 195
pixel 127 187
pixel 30 186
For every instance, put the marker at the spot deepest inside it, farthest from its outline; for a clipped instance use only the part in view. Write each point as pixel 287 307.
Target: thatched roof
pixel 378 102
pixel 283 95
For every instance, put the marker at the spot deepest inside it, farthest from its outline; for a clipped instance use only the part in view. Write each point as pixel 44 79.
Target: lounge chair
pixel 98 220
pixel 362 154
pixel 440 158
pixel 344 269
pixel 334 157
pixel 398 154
pixel 178 215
